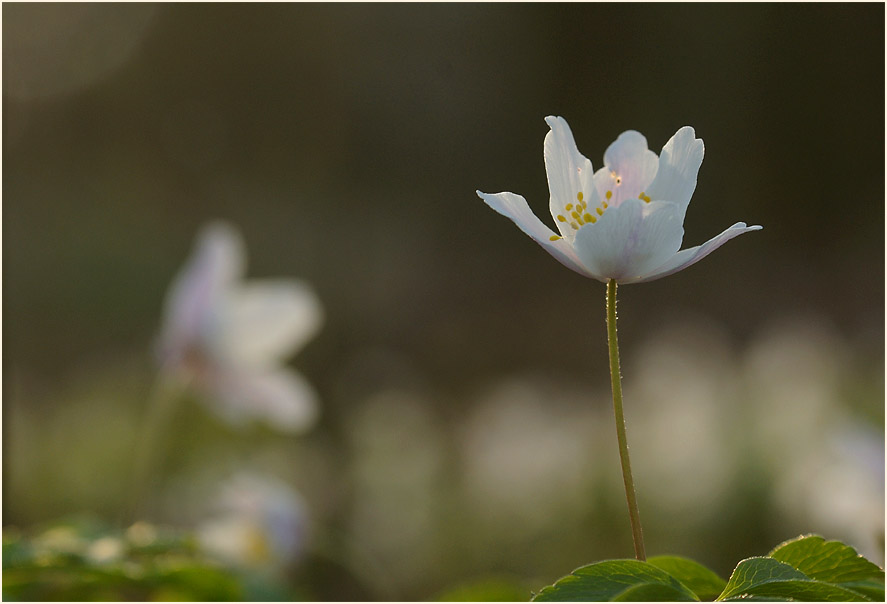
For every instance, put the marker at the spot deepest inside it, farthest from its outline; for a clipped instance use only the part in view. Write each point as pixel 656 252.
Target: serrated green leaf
pixel 756 571
pixel 651 592
pixel 700 580
pixel 873 588
pixel 830 561
pixel 766 577
pixel 604 581
pixel 747 598
pixel 807 591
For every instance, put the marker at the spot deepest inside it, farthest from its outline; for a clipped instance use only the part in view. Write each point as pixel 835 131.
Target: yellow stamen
pixel 561 218
pixel 575 226
pixel 600 211
pixel 609 194
pixel 575 214
pixel 555 238
pixel 579 195
pixel 569 207
pixel 589 218
pixel 644 196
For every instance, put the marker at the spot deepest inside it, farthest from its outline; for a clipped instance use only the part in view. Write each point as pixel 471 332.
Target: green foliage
pixel 700 580
pixel 767 577
pixel 611 580
pixel 77 562
pixel 808 568
pixel 830 561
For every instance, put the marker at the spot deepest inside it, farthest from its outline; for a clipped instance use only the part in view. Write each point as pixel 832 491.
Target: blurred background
pixel 466 430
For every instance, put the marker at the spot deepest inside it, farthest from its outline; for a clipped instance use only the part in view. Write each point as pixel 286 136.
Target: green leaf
pixel 651 592
pixel 829 561
pixel 611 579
pixel 873 588
pixel 757 571
pixel 768 578
pixel 699 579
pixel 746 598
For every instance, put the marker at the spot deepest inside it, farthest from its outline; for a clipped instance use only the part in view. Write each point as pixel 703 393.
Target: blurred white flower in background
pixel 826 464
pixel 794 370
pixel 839 489
pixel 229 339
pixel 397 477
pixel 529 451
pixel 683 392
pixel 258 522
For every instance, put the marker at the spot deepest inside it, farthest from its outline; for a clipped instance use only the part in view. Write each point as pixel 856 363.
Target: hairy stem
pixel 616 381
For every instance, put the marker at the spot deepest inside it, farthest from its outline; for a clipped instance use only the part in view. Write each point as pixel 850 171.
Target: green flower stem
pixel 616 381
pixel 167 389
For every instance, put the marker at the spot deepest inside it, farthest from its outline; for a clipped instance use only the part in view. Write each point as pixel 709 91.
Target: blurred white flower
pixel 793 371
pixel 398 487
pixel 258 522
pixel 625 221
pixel 838 489
pixel 529 449
pixel 105 550
pixel 679 419
pixel 229 338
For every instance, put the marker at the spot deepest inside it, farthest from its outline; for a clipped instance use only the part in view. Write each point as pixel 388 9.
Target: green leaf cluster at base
pixel 807 568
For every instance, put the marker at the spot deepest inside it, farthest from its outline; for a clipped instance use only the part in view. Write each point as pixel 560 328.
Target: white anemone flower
pixel 625 221
pixel 228 338
pixel 258 521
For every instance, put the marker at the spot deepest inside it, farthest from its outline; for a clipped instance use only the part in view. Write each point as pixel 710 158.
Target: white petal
pixel 569 172
pixel 265 321
pixel 679 164
pixel 631 239
pixel 685 258
pixel 629 168
pixel 280 397
pixel 216 263
pixel 515 207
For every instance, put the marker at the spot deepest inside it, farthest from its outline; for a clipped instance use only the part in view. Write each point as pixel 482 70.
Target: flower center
pixel 577 215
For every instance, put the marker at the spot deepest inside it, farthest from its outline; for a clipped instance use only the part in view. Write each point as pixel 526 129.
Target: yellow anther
pixel 588 218
pixel 609 194
pixel 575 226
pixel 569 207
pixel 600 211
pixel 561 218
pixel 580 221
pixel 579 195
pixel 555 238
pixel 644 196
pixel 605 205
pixel 592 219
pixel 574 214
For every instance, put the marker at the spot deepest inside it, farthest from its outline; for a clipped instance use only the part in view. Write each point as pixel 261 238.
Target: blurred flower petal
pixel 258 522
pixel 264 321
pixel 229 338
pixel 282 398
